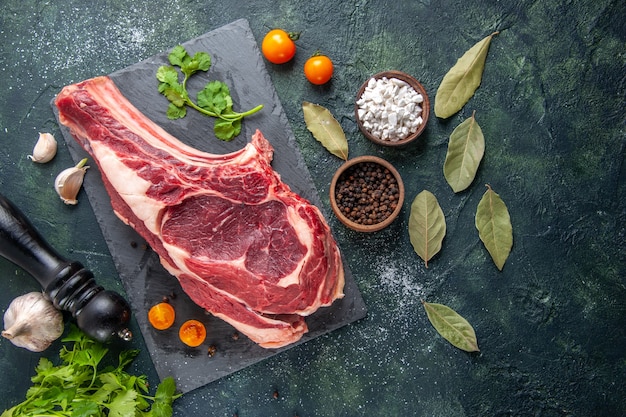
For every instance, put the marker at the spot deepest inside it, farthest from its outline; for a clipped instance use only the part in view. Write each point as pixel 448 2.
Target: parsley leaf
pixel 213 100
pixel 123 404
pixel 226 127
pixel 85 408
pixel 82 386
pixel 215 97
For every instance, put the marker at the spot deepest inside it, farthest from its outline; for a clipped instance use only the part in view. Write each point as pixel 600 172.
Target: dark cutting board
pixel 236 61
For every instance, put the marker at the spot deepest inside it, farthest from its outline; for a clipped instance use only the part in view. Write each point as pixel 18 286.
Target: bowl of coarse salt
pixel 392 108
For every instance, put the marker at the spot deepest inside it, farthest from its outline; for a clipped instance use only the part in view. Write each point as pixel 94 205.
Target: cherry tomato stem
pixel 294 36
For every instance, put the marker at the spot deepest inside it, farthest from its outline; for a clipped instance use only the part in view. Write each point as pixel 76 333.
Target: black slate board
pixel 236 61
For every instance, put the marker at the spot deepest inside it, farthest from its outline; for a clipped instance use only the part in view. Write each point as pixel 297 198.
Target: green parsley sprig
pixel 213 100
pixel 81 386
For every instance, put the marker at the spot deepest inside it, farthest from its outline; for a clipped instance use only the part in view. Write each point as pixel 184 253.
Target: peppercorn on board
pixel 236 61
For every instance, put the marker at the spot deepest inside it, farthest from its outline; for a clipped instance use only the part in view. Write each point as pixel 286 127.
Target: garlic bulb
pixel 68 182
pixel 32 322
pixel 45 149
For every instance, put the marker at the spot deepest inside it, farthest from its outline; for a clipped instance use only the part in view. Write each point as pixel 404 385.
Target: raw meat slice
pixel 242 244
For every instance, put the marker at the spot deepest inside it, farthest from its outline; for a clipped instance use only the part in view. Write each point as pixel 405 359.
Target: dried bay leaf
pixel 462 80
pixel 325 129
pixel 494 227
pixel 452 326
pixel 465 151
pixel 427 225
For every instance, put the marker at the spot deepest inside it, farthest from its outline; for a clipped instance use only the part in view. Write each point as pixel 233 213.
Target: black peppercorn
pixel 211 350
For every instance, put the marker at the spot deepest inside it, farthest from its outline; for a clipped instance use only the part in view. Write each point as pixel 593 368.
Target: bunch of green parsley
pixel 78 387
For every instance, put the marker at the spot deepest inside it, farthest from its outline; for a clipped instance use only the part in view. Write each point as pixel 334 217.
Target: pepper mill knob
pixel 100 313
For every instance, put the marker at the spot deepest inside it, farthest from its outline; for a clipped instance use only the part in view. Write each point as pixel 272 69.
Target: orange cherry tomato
pixel 318 69
pixel 161 316
pixel 192 333
pixel 278 46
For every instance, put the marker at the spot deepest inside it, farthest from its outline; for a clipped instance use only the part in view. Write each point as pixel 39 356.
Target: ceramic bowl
pixel 382 197
pixel 425 109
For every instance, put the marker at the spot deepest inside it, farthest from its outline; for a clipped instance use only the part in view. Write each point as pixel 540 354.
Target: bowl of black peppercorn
pixel 366 193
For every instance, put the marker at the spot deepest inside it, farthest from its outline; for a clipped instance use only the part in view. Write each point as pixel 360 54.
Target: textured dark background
pixel 551 326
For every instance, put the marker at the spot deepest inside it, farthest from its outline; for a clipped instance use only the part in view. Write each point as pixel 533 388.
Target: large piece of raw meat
pixel 242 244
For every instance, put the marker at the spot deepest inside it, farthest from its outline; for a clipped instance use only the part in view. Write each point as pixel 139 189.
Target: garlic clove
pixel 67 184
pixel 32 322
pixel 45 149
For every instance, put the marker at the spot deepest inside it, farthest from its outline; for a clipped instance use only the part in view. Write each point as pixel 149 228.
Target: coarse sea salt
pixel 390 109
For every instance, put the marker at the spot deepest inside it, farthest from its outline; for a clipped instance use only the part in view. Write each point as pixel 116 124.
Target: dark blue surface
pixel 551 325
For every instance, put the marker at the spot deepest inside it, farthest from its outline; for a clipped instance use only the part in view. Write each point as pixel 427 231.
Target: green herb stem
pixel 224 116
pixel 237 116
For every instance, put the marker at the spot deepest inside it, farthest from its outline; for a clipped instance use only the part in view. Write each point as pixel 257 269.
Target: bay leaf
pixel 462 80
pixel 494 227
pixel 325 129
pixel 452 326
pixel 427 225
pixel 465 151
